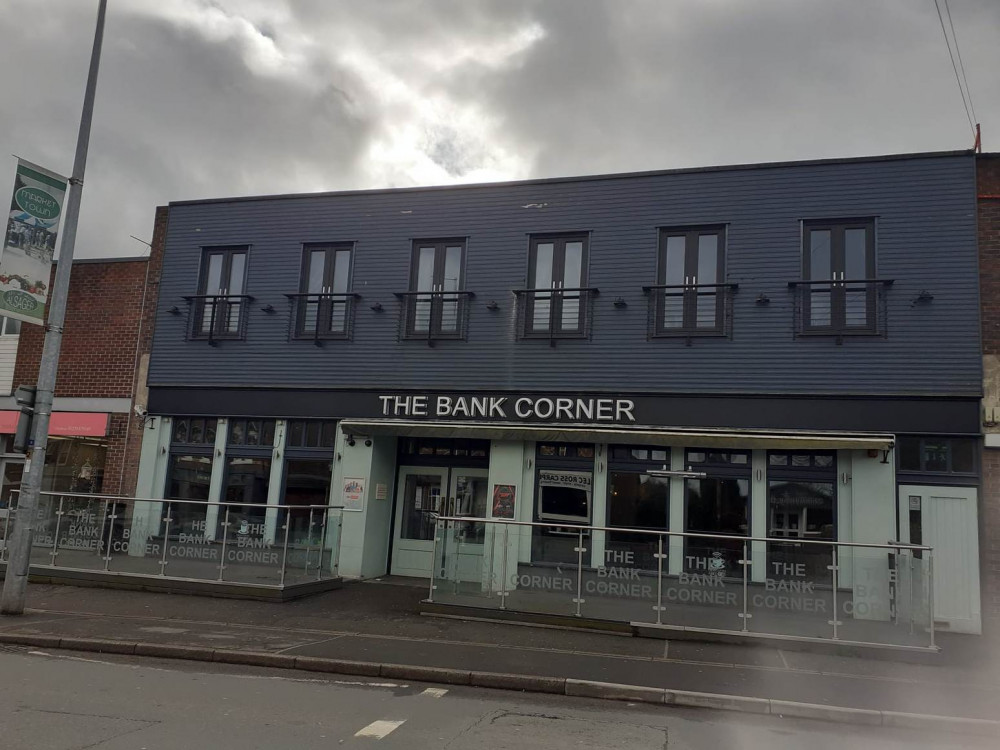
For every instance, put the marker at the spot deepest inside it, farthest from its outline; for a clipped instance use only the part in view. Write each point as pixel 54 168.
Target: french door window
pixel 220 306
pixel 690 292
pixel 435 306
pixel 557 299
pixel 323 306
pixel 840 291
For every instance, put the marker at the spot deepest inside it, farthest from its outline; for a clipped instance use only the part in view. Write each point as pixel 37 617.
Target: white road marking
pixel 379 729
pixel 783 659
pixel 434 692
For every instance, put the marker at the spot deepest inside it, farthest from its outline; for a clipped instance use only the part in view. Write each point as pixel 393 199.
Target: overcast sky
pixel 212 98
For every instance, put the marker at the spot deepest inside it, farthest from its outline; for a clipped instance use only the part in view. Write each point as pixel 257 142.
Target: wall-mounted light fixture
pixel 269 309
pixel 377 307
pixel 175 310
pixel 923 298
pixel 492 305
pixel 620 302
pixel 763 299
pixel 350 440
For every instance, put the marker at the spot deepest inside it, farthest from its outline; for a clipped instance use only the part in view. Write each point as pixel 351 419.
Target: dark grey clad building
pixel 702 398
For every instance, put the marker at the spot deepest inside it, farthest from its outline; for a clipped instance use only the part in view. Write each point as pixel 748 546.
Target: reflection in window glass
pixel 637 501
pixel 74 464
pixel 188 477
pixel 716 506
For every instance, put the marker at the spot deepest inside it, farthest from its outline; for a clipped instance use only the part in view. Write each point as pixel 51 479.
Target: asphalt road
pixel 60 701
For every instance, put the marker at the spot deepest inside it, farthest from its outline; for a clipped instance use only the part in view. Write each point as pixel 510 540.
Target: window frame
pixel 924 475
pixel 838 292
pixel 6 323
pixel 558 242
pixel 690 294
pixel 219 328
pixel 437 295
pixel 326 299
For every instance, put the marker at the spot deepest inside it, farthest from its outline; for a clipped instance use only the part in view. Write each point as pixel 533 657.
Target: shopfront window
pixel 801 503
pixel 719 504
pixel 563 498
pixel 245 485
pixel 74 464
pixel 636 500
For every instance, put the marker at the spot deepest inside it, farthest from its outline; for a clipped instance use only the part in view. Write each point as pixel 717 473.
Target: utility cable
pixel 961 64
pixel 954 67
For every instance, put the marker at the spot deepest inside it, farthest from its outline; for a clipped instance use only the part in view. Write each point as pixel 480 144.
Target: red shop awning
pixel 64 423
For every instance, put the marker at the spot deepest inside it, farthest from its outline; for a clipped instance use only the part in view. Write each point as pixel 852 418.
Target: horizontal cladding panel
pixel 926 241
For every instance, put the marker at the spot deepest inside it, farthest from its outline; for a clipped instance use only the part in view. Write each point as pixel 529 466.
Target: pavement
pixel 374 628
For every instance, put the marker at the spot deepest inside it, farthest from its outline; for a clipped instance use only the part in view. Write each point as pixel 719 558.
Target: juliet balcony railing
pixel 217 317
pixel 554 313
pixel 322 317
pixel 801 589
pixel 841 307
pixel 437 315
pixel 264 546
pixel 689 311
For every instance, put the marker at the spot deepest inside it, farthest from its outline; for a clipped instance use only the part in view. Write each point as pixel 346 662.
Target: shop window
pixel 74 464
pixel 311 433
pixel 323 308
pixel 637 501
pixel 194 431
pixel 558 301
pixel 718 504
pixel 245 485
pixel 691 296
pixel 801 507
pixel 436 305
pixel 251 432
pixel 219 309
pixel 444 451
pixel 937 455
pixel 565 450
pixel 189 477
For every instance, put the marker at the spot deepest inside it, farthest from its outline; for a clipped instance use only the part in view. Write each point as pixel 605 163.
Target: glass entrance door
pixel 420 498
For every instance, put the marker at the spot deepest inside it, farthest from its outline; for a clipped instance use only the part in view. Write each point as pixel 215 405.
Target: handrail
pixel 435 293
pixel 810 282
pixel 688 534
pixel 125 498
pixel 556 289
pixel 346 295
pixel 728 285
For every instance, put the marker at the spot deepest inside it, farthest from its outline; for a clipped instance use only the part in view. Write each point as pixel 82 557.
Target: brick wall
pixel 110 309
pixel 988 188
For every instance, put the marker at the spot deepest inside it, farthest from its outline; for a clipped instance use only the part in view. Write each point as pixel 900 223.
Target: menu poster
pixel 354 493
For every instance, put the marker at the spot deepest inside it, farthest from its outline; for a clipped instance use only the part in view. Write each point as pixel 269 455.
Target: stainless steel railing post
pixel 309 531
pixel 434 559
pixel 503 570
pixel 109 518
pixel 225 538
pixel 745 563
pixel 579 572
pixel 835 569
pixel 166 539
pixel 659 581
pixel 284 549
pixel 930 593
pixel 322 543
pixel 55 537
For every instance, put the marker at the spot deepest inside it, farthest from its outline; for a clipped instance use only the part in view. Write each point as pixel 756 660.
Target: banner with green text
pixel 29 242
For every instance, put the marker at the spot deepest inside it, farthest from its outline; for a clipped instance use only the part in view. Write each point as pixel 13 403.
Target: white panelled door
pixel 946 519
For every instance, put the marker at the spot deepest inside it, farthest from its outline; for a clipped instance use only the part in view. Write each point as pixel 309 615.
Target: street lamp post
pixel 16 579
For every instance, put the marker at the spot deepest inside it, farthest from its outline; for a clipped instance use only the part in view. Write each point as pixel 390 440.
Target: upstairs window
pixel 690 297
pixel 219 309
pixel 937 455
pixel 435 307
pixel 557 301
pixel 323 308
pixel 839 292
pixel 9 326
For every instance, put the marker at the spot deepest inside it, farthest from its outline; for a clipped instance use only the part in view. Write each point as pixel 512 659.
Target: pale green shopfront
pixel 556 493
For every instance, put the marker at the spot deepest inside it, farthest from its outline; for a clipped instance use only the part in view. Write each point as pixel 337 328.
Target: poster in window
pixel 354 493
pixel 503 501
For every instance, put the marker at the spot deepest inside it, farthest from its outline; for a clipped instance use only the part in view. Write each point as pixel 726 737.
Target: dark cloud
pixel 225 97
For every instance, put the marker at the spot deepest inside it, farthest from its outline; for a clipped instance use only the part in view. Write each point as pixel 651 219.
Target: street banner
pixel 29 242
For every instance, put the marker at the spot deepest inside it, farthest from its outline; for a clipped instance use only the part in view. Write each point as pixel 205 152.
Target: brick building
pixel 95 434
pixel 988 189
